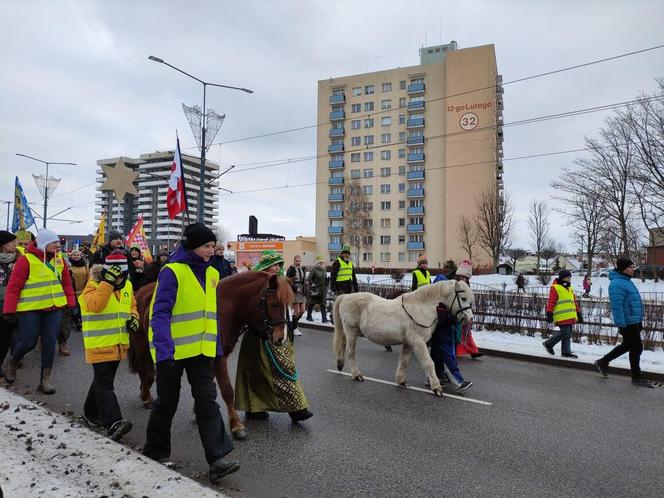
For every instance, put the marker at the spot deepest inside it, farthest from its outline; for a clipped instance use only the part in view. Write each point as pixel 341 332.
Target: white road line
pixel 427 391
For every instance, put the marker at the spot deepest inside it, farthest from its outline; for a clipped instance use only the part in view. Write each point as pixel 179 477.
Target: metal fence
pixel 524 313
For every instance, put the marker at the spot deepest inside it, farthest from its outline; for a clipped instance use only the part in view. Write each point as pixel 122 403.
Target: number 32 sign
pixel 468 121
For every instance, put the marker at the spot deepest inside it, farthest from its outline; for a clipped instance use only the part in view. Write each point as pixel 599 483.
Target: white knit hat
pixel 465 269
pixel 45 237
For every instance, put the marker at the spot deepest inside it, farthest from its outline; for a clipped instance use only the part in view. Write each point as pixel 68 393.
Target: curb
pixel 543 360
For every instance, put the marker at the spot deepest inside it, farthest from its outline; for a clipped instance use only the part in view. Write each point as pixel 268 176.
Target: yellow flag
pixel 98 240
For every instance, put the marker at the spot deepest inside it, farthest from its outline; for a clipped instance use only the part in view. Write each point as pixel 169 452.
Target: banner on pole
pixel 137 237
pixel 22 215
pixel 100 235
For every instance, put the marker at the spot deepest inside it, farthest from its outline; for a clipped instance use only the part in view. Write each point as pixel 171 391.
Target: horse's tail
pixel 339 341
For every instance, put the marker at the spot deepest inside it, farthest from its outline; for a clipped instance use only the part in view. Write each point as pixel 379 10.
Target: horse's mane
pixel 427 292
pixel 285 294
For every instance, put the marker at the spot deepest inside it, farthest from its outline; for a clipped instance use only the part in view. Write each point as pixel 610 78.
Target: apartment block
pixel 422 141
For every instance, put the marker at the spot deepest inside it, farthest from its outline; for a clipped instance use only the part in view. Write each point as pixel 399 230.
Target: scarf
pixel 80 262
pixel 7 257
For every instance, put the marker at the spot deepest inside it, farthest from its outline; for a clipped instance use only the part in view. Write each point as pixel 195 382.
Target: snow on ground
pixel 46 454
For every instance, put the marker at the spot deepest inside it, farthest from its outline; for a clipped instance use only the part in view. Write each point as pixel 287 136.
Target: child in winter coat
pixel 563 310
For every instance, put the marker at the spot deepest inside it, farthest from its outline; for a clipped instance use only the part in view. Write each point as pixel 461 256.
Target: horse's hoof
pixel 403 384
pixel 438 392
pixel 358 378
pixel 340 365
pixel 240 435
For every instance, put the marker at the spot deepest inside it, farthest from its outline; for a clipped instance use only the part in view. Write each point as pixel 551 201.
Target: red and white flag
pixel 176 198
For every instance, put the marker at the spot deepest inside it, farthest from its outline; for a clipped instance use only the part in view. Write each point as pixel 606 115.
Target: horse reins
pixel 415 321
pixel 456 298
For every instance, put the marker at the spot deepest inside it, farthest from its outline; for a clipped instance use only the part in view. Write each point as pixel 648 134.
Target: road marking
pixel 427 391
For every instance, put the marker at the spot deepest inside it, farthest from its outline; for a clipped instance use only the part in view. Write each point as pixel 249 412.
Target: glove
pixel 10 318
pixel 549 316
pixel 110 275
pixel 579 318
pixel 132 324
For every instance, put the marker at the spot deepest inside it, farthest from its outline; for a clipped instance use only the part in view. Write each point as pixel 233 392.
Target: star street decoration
pixel 119 179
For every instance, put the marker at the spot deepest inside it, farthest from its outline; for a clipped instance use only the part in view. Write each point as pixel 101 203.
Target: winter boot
pixel 45 385
pixel 119 429
pixel 465 385
pixel 548 348
pixel 300 415
pixel 310 308
pixel 602 368
pixel 643 383
pixel 10 373
pixel 220 468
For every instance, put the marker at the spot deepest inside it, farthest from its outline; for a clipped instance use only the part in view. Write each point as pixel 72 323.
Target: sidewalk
pixel 47 454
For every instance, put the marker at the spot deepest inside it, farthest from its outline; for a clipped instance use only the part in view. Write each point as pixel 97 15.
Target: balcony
pixel 335 229
pixel 415 175
pixel 415 246
pixel 415 158
pixel 415 210
pixel 416 105
pixel 338 99
pixel 337 132
pixel 415 193
pixel 334 246
pixel 335 213
pixel 335 197
pixel 335 148
pixel 415 123
pixel 414 228
pixel 336 180
pixel 415 140
pixel 337 164
pixel 415 88
pixel 337 115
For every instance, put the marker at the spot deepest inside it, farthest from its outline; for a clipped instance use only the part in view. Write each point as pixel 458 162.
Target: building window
pixel 418 115
pixel 385 171
pixel 368 140
pixel 336 206
pixel 368 156
pixel 367 256
pixel 416 238
pixel 385 188
pixel 337 174
pixel 337 157
pixel 402 102
pixel 416 185
pixel 367 206
pixel 387 87
pixel 356 141
pixel 418 220
pixel 416 203
pixel 385 223
pixel 385 240
pixel 369 89
pixel 385 257
pixel 417 150
pixel 357 91
pixel 367 223
pixel 417 99
pixel 355 173
pixel 386 120
pixel 368 106
pixel 386 104
pixel 416 167
pixel 402 257
pixel 385 155
pixel 402 170
pixel 416 133
pixel 416 81
pixel 356 124
pixel 402 222
pixel 368 123
pixel 356 107
pixel 402 239
pixel 336 190
pixel 335 239
pixel 368 240
pixel 402 118
pixel 367 189
pixel 402 85
pixel 402 204
pixel 368 173
pixel 386 138
pixel 402 188
pixel 355 157
pixel 402 136
pixel 402 153
pixel 385 205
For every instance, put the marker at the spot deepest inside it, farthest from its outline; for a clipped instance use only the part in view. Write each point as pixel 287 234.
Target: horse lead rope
pixel 415 321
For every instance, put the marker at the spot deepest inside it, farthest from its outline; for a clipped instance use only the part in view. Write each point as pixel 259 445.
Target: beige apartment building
pixel 422 141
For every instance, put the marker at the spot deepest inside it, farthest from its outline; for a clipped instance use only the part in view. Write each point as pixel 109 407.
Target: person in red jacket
pixel 39 288
pixel 563 310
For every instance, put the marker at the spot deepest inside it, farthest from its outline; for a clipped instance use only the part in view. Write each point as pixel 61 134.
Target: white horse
pixel 409 319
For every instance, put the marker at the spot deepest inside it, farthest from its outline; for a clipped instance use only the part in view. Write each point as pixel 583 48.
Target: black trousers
pixel 214 438
pixel 6 331
pixel 101 403
pixel 65 326
pixel 632 344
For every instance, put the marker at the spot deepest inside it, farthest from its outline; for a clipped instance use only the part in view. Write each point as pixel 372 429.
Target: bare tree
pixel 515 254
pixel 538 226
pixel 467 235
pixel 358 224
pixel 549 251
pixel 494 222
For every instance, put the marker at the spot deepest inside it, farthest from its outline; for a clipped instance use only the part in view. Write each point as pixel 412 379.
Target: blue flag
pixel 22 215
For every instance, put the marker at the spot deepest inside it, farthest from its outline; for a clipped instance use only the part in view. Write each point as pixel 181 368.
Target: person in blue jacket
pixel 627 311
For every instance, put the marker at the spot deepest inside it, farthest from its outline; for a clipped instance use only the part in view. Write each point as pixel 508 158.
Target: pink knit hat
pixel 465 269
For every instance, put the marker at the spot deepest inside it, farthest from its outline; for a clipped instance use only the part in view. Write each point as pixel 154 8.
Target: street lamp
pixel 201 189
pixel 47 163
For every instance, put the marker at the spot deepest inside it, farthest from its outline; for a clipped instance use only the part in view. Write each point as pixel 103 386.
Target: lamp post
pixel 200 215
pixel 47 163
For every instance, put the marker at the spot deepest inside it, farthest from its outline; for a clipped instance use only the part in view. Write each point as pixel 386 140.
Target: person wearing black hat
pixel 184 336
pixel 8 255
pixel 627 312
pixel 563 310
pixel 115 241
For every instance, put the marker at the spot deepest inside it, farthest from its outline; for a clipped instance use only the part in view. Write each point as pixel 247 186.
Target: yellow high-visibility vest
pixel 20 250
pixel 345 272
pixel 42 289
pixel 422 278
pixel 109 326
pixel 565 308
pixel 194 315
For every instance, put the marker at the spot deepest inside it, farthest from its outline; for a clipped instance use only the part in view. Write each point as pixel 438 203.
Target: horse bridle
pixel 268 323
pixel 458 298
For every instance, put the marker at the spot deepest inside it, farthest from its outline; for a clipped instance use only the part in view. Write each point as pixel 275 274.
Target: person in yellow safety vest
pixel 24 237
pixel 421 275
pixel 38 289
pixel 183 335
pixel 108 314
pixel 563 310
pixel 342 277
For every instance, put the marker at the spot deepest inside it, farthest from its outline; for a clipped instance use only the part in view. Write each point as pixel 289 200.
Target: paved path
pixel 548 431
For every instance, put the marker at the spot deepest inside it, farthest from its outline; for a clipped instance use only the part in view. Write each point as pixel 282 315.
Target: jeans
pixel 31 326
pixel 632 344
pixel 564 335
pixel 443 354
pixel 101 403
pixel 214 438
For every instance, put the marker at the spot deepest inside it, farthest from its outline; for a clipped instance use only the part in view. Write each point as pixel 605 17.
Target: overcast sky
pixel 77 86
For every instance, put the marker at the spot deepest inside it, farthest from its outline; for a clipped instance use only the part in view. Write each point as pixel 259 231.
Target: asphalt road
pixel 549 431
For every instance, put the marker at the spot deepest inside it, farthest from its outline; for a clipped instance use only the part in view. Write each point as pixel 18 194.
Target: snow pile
pixel 46 454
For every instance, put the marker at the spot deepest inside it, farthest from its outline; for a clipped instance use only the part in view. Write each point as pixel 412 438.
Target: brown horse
pixel 256 300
